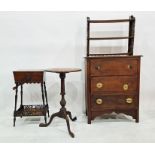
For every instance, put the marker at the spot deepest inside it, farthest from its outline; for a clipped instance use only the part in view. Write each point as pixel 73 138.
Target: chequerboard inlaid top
pixel 63 70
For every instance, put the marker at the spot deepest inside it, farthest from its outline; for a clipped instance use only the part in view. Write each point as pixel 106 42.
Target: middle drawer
pixel 113 84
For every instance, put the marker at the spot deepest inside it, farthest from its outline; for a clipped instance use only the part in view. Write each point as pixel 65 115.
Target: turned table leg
pixel 16 97
pixel 46 99
pixel 21 99
pixel 43 99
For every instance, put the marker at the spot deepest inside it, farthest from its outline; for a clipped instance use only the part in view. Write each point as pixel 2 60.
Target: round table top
pixel 62 70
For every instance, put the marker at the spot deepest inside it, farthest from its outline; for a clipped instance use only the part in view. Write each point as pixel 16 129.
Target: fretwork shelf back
pixel 130 37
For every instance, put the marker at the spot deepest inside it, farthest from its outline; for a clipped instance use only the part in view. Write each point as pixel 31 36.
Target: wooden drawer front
pixel 101 67
pixel 113 84
pixel 28 77
pixel 113 101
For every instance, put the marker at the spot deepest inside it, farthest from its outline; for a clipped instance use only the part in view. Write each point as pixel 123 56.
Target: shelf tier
pixel 109 21
pixel 32 110
pixel 109 38
pixel 108 54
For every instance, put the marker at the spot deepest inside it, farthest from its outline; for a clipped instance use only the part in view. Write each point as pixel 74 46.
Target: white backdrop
pixel 40 40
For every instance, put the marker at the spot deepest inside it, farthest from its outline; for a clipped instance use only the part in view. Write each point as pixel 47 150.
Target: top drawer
pixel 28 76
pixel 116 66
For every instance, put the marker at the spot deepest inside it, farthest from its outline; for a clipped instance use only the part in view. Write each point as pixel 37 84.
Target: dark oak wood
pixel 22 77
pixel 88 35
pixel 63 112
pixel 112 85
pixel 131 33
pixel 112 80
pixel 28 77
pixel 114 102
pixel 112 66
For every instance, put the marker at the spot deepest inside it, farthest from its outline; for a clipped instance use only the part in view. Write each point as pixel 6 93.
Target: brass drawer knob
pixel 125 87
pixel 98 67
pixel 99 101
pixel 129 66
pixel 129 100
pixel 99 85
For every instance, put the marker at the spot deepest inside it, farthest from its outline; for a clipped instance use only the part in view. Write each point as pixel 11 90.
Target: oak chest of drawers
pixel 112 85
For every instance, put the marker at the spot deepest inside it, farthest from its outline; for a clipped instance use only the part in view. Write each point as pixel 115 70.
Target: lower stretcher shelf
pixel 32 110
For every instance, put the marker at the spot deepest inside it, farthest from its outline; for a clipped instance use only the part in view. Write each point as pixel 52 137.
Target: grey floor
pixel 116 128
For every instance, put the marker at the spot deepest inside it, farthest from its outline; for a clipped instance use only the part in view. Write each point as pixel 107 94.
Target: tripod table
pixel 63 113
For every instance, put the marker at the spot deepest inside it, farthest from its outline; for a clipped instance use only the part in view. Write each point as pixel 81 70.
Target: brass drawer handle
pixel 98 67
pixel 129 66
pixel 129 100
pixel 125 87
pixel 99 85
pixel 99 101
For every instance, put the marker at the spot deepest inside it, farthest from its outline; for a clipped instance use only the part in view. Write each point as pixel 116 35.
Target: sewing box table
pixel 22 77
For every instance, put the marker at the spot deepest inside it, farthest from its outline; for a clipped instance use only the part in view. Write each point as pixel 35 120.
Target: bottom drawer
pixel 98 102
